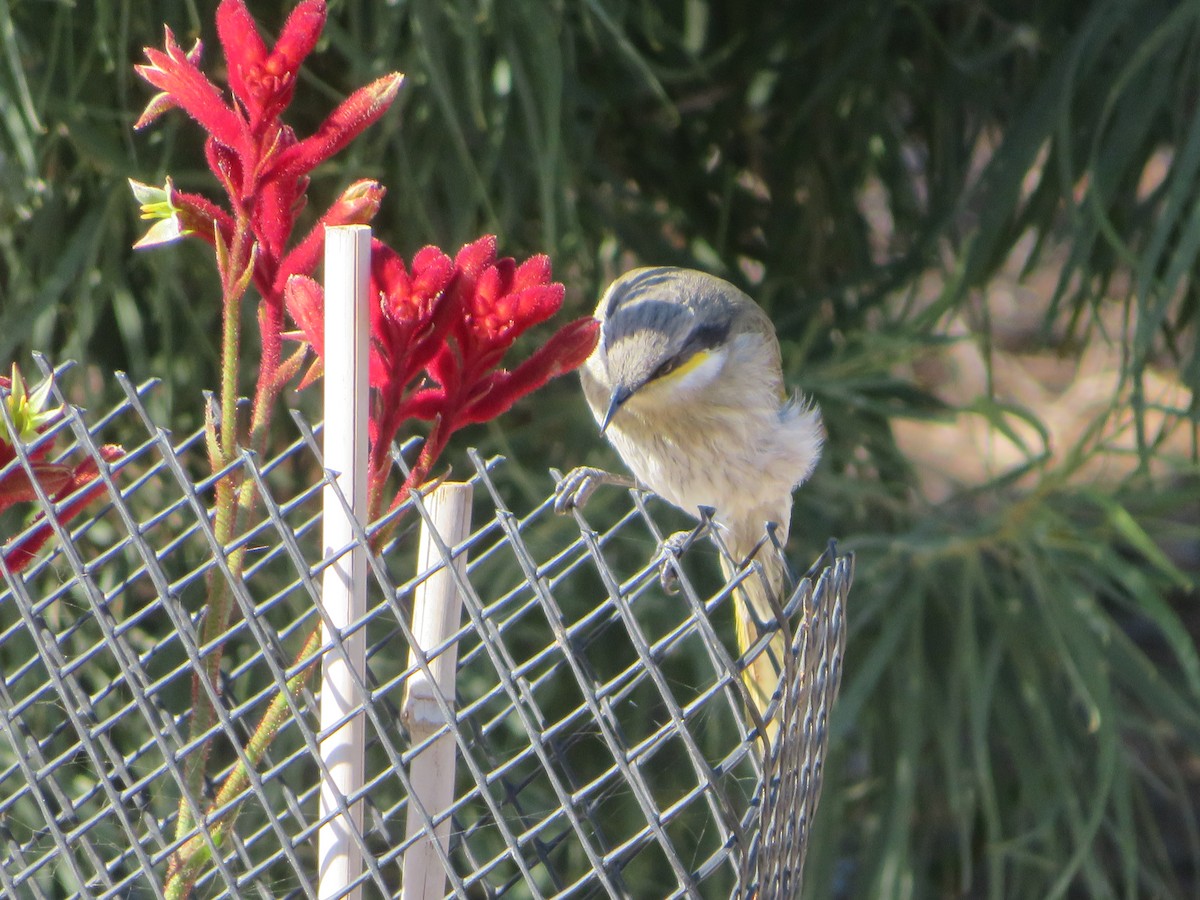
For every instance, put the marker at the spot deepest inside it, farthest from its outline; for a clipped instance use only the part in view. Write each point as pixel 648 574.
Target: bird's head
pixel 665 336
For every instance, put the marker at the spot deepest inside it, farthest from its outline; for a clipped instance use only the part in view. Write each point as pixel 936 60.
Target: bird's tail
pixel 756 600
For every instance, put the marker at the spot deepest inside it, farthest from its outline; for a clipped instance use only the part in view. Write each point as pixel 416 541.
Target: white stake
pixel 344 584
pixel 437 612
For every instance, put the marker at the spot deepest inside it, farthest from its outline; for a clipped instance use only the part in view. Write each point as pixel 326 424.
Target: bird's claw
pixel 577 487
pixel 668 558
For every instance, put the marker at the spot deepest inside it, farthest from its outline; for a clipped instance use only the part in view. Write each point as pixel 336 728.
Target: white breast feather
pixel 706 440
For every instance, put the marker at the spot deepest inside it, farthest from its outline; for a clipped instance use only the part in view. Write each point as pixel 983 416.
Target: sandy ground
pixel 1076 388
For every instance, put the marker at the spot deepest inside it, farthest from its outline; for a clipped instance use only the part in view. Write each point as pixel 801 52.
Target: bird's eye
pixel 665 369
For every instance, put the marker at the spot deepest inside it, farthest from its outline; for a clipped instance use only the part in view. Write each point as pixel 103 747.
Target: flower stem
pixel 235 265
pixel 270 325
pixel 192 856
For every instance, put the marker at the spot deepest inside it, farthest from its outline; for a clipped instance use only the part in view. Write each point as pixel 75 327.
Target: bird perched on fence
pixel 686 382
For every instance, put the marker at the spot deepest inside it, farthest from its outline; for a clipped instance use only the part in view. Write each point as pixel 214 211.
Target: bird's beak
pixel 619 395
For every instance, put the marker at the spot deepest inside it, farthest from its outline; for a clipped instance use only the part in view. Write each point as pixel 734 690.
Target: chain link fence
pixel 599 727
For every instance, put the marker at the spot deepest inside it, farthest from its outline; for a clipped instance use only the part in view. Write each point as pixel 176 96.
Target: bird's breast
pixel 744 461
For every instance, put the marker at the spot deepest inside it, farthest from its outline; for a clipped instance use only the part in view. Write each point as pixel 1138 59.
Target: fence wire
pixel 603 748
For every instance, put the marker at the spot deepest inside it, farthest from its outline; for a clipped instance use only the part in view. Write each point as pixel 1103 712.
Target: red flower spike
pixel 500 301
pixel 474 257
pixel 344 124
pixel 564 352
pixel 15 487
pixel 306 305
pixel 454 320
pixel 409 319
pixel 258 160
pixel 162 102
pixel 80 489
pixel 173 72
pixel 409 323
pixel 262 80
pixel 357 206
pixel 245 50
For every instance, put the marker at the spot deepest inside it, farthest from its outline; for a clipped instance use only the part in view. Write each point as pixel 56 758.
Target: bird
pixel 686 382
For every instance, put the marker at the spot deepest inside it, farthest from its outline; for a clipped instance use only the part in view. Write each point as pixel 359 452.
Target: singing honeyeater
pixel 687 384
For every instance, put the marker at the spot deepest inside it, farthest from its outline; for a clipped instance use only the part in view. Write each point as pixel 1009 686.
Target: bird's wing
pixel 756 322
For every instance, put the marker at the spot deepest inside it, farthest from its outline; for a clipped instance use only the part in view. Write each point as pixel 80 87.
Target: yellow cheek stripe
pixel 696 361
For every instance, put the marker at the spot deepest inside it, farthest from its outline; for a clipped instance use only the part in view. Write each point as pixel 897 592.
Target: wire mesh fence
pixel 600 729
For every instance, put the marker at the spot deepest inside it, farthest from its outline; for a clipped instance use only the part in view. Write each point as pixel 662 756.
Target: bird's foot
pixel 576 487
pixel 668 559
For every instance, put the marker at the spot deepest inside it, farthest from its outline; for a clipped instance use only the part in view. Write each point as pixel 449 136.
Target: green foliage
pixel 1023 693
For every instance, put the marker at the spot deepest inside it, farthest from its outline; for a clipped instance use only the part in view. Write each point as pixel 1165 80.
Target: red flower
pixel 30 417
pixel 501 300
pixel 259 161
pixel 356 206
pixel 409 315
pixel 499 390
pixel 178 76
pixel 438 336
pixel 262 79
pixel 15 485
pixel 77 485
pixel 254 155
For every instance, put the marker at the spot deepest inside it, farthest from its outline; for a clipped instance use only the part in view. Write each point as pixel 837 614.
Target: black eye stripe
pixel 633 288
pixel 709 335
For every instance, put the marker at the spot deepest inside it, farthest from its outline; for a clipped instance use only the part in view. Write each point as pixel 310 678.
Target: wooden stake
pixel 437 613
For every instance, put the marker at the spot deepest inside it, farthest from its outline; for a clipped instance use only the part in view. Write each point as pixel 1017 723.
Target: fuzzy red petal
pixel 432 270
pixel 245 51
pixel 162 102
pixel 473 258
pixel 173 73
pixel 263 80
pixel 224 162
pixel 359 110
pixel 299 36
pixel 357 205
pixel 81 489
pixel 389 278
pixel 565 351
pixel 15 487
pixel 530 307
pixel 305 301
pixel 532 272
pixel 489 288
pixel 426 404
